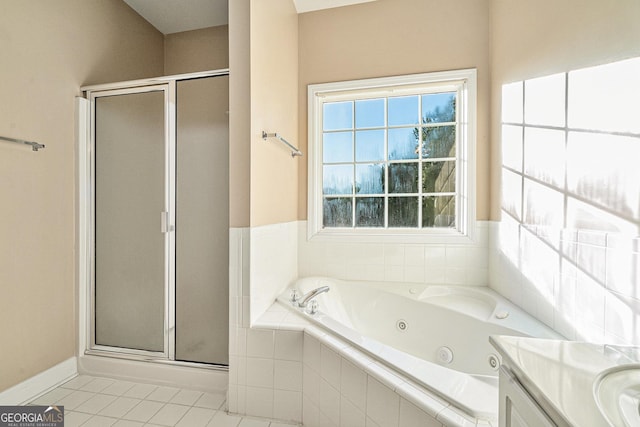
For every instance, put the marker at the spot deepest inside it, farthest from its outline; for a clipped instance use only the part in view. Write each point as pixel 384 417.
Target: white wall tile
pixel 242 399
pixel 590 296
pixel 311 384
pixel 288 345
pixel 371 423
pixel 383 404
pixel 435 256
pixel 435 275
pixel 287 405
pixel 325 421
pixel 350 415
pixel 622 318
pixel 260 372
pixel 394 254
pixel 310 412
pixel 330 366
pixel 260 343
pixel 287 375
pixel 311 353
pixel 329 402
pixel 411 416
pixel 393 273
pixel 623 271
pixel 394 262
pixel 259 402
pixel 455 276
pixel 456 257
pixel 414 273
pixel 353 384
pixel 269 274
pixel 241 334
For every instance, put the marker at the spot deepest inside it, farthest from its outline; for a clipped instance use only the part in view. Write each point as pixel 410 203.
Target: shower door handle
pixel 165 223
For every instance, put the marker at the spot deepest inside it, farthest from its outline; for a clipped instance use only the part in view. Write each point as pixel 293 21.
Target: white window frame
pixel 465 83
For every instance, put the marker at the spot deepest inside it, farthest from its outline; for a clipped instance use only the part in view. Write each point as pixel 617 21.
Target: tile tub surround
pixel 99 402
pixel 340 385
pixel 263 364
pixel 266 374
pixel 584 284
pixel 397 262
pixel 254 286
pixel 343 387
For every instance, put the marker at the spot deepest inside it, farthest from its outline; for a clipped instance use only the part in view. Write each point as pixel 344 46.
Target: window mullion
pixel 420 159
pixel 438 95
pixel 386 163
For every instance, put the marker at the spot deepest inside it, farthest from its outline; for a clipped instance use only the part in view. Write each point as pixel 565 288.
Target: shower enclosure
pixel 158 222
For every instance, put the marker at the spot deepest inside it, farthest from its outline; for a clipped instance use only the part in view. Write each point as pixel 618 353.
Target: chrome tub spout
pixel 311 295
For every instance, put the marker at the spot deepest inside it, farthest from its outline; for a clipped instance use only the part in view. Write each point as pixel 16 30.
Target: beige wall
pixel 49 50
pixel 197 50
pixel 393 37
pixel 274 97
pixel 537 38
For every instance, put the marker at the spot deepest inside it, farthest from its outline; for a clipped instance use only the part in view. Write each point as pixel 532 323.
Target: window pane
pixel 369 145
pixel 337 212
pixel 337 147
pixel 439 142
pixel 370 113
pixel 403 178
pixel 439 211
pixel 370 179
pixel 439 177
pixel 403 143
pixel 337 179
pixel 337 115
pixel 370 212
pixel 403 110
pixel 439 107
pixel 403 212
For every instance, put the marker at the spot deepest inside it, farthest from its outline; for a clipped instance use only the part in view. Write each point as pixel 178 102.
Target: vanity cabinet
pixel 517 408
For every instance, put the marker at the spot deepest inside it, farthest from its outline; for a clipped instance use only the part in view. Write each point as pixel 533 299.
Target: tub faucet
pixel 304 300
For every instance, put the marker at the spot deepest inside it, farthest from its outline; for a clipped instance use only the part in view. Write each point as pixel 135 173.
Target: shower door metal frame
pixel 169 149
pixel 86 212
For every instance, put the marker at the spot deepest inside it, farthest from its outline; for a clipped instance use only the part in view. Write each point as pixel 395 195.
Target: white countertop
pixel 560 374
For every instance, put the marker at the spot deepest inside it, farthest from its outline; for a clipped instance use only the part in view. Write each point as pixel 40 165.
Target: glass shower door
pixel 202 220
pixel 130 247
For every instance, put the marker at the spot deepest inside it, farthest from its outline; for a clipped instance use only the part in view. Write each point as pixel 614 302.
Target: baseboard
pixel 203 379
pixel 39 384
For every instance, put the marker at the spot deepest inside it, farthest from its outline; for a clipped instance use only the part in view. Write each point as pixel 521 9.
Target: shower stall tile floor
pixel 102 402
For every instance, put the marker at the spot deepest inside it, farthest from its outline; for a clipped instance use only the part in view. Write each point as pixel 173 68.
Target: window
pixel 393 156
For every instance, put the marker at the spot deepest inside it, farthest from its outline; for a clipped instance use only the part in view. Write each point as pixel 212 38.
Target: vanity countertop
pixel 560 374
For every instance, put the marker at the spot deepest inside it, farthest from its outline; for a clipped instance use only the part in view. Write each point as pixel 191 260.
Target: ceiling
pixel 174 16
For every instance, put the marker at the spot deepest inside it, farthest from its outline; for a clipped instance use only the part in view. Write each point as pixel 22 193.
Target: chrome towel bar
pixel 294 151
pixel 34 145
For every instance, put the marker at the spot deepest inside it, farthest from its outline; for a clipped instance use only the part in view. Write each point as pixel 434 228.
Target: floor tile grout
pixel 87 388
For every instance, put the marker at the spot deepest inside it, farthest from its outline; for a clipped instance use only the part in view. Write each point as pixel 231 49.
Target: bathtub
pixel 435 336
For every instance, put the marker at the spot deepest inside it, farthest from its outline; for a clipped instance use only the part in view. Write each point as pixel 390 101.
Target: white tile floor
pixel 102 402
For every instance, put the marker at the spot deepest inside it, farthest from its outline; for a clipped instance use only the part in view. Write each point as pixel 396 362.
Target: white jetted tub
pixel 435 335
